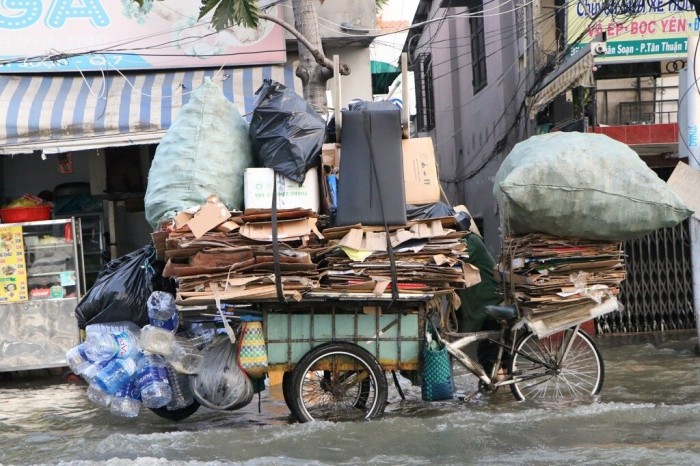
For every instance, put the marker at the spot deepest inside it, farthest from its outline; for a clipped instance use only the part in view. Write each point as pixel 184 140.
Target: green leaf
pixel 230 12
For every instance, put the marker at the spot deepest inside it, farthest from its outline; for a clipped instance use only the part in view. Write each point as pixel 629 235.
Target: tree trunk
pixel 313 75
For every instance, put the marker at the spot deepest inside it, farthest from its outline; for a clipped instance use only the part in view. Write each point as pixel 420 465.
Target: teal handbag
pixel 436 374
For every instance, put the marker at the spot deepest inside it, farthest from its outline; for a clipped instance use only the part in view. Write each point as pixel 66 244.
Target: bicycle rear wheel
pixel 540 373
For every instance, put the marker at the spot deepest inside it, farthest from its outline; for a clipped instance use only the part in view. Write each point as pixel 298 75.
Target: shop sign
pixel 102 35
pixel 636 30
pixel 13 268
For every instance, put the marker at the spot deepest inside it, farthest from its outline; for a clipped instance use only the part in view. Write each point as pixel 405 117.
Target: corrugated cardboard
pixel 420 171
pixel 330 154
pixel 685 182
pixel 286 230
pixel 211 215
pixel 258 185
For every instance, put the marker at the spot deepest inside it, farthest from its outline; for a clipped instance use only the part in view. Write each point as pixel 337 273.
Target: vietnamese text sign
pixel 13 269
pixel 100 35
pixel 637 30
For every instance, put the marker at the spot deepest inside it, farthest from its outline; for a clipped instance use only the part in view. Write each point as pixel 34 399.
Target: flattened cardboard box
pixel 287 229
pixel 420 171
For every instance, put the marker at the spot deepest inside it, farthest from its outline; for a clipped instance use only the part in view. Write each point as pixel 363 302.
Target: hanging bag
pixel 252 355
pixel 436 375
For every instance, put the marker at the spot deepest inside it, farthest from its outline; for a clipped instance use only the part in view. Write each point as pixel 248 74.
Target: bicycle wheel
pixel 337 381
pixel 539 373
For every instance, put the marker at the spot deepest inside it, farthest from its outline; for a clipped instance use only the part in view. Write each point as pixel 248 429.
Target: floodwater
pixel 647 413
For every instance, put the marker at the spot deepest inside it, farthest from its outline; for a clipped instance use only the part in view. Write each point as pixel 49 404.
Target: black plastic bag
pixel 439 209
pixel 363 105
pixel 286 131
pixel 120 291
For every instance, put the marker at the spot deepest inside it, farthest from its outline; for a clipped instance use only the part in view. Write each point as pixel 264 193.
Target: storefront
pixel 68 131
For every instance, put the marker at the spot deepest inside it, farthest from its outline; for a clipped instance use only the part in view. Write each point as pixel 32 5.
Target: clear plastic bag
pixel 221 383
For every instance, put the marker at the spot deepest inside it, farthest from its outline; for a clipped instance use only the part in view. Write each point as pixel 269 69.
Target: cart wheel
pixel 337 381
pixel 176 414
pixel 286 384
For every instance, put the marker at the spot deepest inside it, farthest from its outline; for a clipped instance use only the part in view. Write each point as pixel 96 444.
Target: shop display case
pixel 93 254
pixel 40 286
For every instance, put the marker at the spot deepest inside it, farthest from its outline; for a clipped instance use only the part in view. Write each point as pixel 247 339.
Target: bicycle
pixel 562 365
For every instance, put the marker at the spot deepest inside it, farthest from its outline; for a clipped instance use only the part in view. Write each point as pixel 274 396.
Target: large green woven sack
pixel 583 185
pixel 204 152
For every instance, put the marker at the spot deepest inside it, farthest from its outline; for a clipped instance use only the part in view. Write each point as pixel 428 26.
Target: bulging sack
pixel 220 382
pixel 204 152
pixel 585 186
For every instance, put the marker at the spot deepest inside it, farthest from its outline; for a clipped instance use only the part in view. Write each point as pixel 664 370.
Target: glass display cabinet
pixel 40 286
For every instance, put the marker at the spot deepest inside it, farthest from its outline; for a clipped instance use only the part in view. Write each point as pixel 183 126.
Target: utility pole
pixel 692 137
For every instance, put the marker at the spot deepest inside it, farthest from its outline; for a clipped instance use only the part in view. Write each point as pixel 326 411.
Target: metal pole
pixel 693 139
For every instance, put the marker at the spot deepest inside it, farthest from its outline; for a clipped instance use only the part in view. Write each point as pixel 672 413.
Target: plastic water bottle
pixel 99 397
pixel 127 401
pixel 116 375
pixel 182 395
pixel 91 371
pixel 184 357
pixel 162 311
pixel 77 359
pixel 152 380
pixel 156 340
pixel 107 341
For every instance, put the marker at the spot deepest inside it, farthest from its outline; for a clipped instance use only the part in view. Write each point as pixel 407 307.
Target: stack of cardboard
pixel 213 255
pixel 558 282
pixel 428 257
pixel 232 258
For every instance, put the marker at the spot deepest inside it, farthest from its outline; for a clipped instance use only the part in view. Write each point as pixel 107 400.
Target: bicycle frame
pixel 498 337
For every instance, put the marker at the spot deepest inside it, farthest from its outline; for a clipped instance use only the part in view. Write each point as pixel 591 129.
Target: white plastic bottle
pixel 77 359
pixel 182 395
pixel 127 401
pixel 152 380
pixel 184 357
pixel 99 397
pixel 107 341
pixel 162 311
pixel 115 376
pixel 156 340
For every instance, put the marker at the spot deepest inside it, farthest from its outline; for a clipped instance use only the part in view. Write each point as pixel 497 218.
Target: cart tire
pixel 286 388
pixel 337 381
pixel 176 414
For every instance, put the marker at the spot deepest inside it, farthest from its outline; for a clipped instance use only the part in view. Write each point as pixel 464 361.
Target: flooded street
pixel 647 413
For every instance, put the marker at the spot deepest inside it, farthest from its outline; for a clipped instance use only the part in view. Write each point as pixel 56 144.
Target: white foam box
pixel 258 185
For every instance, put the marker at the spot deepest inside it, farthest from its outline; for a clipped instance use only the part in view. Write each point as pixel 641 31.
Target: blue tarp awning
pixel 65 113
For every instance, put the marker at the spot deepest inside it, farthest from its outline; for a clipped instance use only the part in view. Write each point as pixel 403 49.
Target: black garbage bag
pixel 439 209
pixel 120 291
pixel 286 131
pixel 363 105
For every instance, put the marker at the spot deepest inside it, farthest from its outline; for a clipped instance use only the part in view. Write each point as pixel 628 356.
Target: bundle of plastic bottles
pixel 127 367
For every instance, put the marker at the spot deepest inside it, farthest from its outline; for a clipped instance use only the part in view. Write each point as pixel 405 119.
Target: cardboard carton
pixel 420 171
pixel 258 185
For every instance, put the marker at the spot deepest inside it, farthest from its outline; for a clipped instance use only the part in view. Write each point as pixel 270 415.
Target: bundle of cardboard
pixel 559 282
pixel 214 254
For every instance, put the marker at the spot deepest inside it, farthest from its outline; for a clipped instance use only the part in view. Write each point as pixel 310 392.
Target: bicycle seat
pixel 501 312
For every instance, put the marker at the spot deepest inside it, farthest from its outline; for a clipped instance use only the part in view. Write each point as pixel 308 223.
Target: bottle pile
pixel 127 367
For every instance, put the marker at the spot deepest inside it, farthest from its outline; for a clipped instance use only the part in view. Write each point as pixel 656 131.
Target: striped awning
pixel 67 113
pixel 580 73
